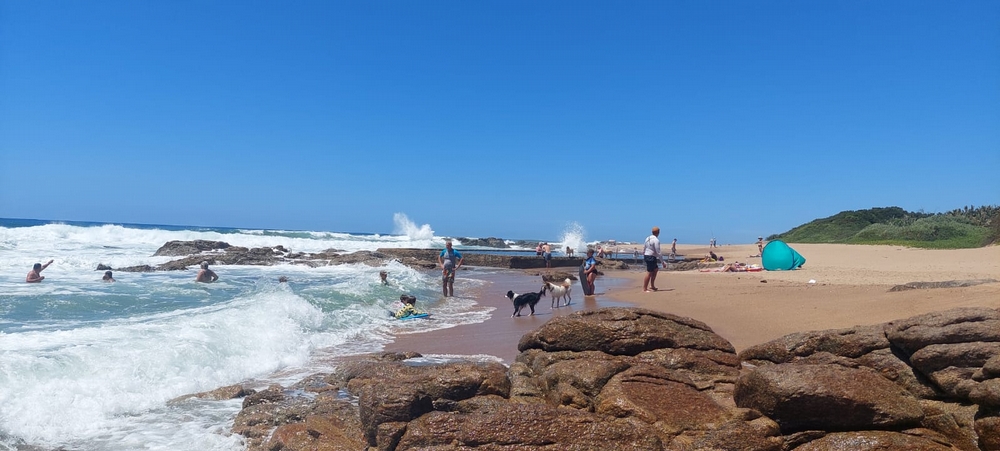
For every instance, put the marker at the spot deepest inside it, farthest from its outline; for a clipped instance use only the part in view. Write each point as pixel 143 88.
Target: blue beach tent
pixel 777 256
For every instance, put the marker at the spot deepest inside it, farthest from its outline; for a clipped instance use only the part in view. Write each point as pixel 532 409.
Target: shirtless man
pixel 547 254
pixel 35 276
pixel 206 275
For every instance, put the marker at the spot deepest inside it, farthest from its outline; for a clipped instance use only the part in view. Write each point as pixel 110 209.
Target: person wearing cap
pixel 35 275
pixel 450 260
pixel 760 246
pixel 206 275
pixel 653 258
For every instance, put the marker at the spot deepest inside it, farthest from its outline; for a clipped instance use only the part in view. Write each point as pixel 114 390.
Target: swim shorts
pixel 651 262
pixel 547 256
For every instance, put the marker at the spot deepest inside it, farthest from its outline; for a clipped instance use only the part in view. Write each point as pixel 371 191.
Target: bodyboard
pixel 415 316
pixel 584 284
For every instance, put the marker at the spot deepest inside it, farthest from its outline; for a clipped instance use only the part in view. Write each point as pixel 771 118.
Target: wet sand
pixel 850 287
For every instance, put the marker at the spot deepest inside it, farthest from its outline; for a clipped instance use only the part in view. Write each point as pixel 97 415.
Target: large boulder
pixel 515 426
pixel 826 397
pixel 873 441
pixel 960 325
pixel 623 331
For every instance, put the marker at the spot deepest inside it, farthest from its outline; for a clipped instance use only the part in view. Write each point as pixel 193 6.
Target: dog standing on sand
pixel 559 291
pixel 526 299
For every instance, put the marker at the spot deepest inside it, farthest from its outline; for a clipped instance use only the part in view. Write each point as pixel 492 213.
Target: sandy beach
pixel 850 286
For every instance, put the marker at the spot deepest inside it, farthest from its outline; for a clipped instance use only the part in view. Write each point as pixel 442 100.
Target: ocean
pixel 88 365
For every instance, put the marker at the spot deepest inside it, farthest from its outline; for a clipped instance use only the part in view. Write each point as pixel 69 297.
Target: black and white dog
pixel 521 300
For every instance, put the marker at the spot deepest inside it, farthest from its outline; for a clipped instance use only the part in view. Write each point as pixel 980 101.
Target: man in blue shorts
pixel 450 260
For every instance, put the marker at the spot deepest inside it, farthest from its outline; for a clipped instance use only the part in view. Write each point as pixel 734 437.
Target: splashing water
pixel 404 226
pixel 572 237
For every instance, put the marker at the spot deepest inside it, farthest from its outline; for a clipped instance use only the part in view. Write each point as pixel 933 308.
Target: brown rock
pixel 949 365
pixel 872 441
pixel 988 428
pixel 852 342
pixel 650 394
pixel 540 427
pixel 622 331
pixel 986 393
pixel 952 326
pixel 178 248
pixel 826 397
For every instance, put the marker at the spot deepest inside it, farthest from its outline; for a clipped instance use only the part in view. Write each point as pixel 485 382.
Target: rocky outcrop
pixel 945 284
pixel 222 253
pixel 179 248
pixel 634 379
pixel 498 243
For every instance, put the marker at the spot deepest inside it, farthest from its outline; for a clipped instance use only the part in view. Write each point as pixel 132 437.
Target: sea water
pixel 88 365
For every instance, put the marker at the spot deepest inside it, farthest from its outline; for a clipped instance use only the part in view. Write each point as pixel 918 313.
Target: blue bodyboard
pixel 415 316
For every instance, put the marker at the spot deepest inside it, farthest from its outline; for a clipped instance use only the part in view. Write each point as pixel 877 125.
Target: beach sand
pixel 851 288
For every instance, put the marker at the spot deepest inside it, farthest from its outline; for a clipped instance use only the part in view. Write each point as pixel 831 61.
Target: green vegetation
pixel 961 228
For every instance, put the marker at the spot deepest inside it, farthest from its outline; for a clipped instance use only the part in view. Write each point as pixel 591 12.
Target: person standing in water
pixel 206 275
pixel 450 260
pixel 35 275
pixel 590 272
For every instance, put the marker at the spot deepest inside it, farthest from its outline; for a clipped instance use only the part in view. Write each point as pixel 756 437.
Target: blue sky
pixel 497 118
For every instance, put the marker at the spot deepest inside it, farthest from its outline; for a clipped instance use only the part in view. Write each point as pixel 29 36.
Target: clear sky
pixel 497 118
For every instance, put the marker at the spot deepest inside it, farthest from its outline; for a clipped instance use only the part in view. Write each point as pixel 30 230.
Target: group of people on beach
pixel 35 275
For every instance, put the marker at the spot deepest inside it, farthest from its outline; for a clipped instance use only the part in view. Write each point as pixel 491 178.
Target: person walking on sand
pixel 206 275
pixel 547 254
pixel 450 260
pixel 590 270
pixel 651 255
pixel 673 249
pixel 35 275
pixel 760 246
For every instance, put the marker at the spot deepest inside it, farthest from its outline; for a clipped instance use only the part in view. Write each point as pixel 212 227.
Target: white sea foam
pixel 404 226
pixel 92 365
pixel 572 237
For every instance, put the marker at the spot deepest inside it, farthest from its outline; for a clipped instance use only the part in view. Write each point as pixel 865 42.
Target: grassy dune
pixel 969 227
